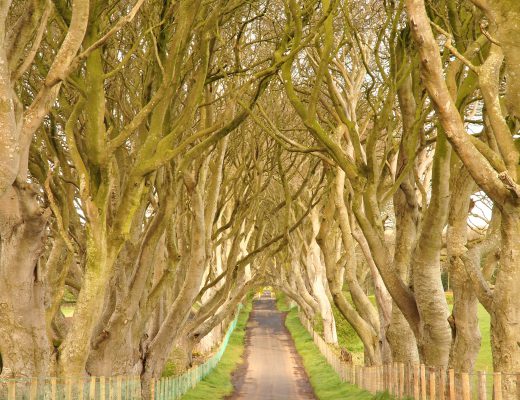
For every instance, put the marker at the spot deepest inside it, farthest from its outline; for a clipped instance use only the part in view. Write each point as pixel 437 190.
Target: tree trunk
pixel 434 338
pixel 505 313
pixel 464 318
pixel 24 345
pixel 156 354
pixel 366 332
pixel 317 278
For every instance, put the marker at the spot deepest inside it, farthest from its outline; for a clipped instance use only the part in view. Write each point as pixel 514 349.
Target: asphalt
pixel 272 369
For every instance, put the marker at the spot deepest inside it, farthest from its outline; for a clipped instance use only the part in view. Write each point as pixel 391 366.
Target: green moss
pixel 218 383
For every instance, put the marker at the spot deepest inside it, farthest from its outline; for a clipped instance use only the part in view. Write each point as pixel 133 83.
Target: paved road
pixel 272 369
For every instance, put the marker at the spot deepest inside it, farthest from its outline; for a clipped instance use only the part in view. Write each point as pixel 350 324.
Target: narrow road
pixel 272 369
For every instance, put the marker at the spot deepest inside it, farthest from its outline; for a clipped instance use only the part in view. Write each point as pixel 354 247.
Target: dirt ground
pixel 272 369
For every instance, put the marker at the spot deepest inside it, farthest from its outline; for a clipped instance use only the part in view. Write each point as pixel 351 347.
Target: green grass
pixel 218 383
pixel 348 338
pixel 326 383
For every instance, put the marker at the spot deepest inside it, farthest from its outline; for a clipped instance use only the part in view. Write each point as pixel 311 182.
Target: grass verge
pixel 348 338
pixel 326 383
pixel 218 383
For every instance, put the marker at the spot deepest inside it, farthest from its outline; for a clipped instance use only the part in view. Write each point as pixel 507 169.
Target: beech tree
pixel 159 160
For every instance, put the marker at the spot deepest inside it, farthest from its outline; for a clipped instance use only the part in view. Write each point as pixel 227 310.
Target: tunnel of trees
pixel 160 159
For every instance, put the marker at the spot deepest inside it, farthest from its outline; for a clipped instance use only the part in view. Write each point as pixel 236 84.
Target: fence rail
pixel 111 388
pixel 419 382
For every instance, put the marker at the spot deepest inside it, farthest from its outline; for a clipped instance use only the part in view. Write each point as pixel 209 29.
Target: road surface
pixel 272 369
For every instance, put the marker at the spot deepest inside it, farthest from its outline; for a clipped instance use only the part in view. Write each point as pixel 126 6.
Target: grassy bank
pixel 324 380
pixel 218 383
pixel 348 338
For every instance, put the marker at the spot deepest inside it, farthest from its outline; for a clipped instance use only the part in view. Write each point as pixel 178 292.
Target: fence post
pixel 409 380
pixel 119 388
pixel 391 378
pixel 442 383
pixel 423 382
pixel 102 389
pixel 53 388
pixel 34 389
pixel 152 389
pixel 401 379
pixel 416 382
pixel 466 395
pixel 11 390
pixel 432 384
pixel 92 389
pixel 68 389
pixel 482 392
pixel 381 378
pixel 397 384
pixel 79 388
pixel 452 384
pixel 497 386
pixel 373 379
pixel 395 375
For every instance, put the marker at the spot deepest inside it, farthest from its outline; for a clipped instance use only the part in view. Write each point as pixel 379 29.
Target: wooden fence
pixel 90 388
pixel 418 382
pixel 111 388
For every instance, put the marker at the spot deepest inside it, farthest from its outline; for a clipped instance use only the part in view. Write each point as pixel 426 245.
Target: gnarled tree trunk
pixel 24 346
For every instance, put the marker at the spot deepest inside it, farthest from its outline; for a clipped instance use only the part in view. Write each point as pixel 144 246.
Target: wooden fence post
pixel 442 383
pixel 102 390
pixel 452 384
pixel 409 379
pixel 401 380
pixel 396 379
pixel 152 389
pixel 497 386
pixel 92 389
pixel 119 388
pixel 11 390
pixel 423 382
pixel 68 389
pixel 111 388
pixel 466 392
pixel 53 388
pixel 374 379
pixel 34 389
pixel 392 379
pixel 380 378
pixel 79 388
pixel 482 389
pixel 416 382
pixel 432 384
pixel 385 377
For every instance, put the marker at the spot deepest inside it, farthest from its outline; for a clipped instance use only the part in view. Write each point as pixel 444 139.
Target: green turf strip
pixel 218 383
pixel 326 383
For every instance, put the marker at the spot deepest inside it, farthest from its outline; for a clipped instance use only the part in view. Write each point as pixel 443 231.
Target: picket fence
pixel 418 382
pixel 112 388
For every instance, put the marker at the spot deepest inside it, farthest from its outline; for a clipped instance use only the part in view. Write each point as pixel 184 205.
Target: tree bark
pixel 24 345
pixel 464 318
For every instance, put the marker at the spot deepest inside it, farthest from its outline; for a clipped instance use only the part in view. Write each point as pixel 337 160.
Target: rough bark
pixel 24 348
pixel 464 319
pixel 157 352
pixel 505 313
pixel 434 338
pixel 368 335
pixel 407 217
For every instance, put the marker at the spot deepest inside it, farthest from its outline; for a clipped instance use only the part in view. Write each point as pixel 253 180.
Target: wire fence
pixel 111 388
pixel 417 381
